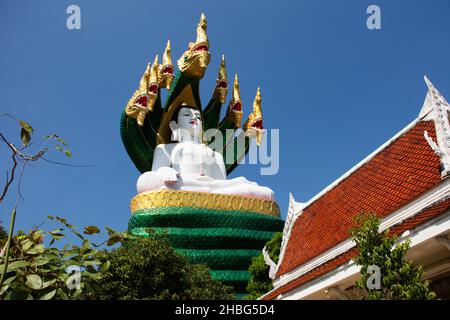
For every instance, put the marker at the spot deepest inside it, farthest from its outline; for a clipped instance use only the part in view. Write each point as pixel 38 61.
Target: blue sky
pixel 335 89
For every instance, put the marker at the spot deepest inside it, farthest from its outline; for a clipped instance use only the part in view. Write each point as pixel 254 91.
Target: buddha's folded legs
pixel 152 181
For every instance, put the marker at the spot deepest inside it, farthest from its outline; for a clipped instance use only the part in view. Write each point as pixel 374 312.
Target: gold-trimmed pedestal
pixel 177 198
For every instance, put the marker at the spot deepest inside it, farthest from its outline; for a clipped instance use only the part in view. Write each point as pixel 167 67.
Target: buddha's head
pixel 186 124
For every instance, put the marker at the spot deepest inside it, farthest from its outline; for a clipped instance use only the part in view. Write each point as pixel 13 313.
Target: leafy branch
pixel 18 155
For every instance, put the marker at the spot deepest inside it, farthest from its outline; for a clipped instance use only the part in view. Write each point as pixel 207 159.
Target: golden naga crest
pixel 254 124
pixel 144 98
pixel 193 63
pixel 234 111
pixel 195 60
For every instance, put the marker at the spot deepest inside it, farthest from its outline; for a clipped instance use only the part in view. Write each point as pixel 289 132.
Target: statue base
pixel 222 231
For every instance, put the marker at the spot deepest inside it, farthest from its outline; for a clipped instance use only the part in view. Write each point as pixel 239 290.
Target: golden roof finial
pixel 201 30
pixel 167 59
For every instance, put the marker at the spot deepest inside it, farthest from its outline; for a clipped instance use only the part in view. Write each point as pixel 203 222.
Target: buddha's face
pixel 188 122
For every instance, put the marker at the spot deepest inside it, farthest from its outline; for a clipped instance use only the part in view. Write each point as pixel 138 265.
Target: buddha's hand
pixel 168 175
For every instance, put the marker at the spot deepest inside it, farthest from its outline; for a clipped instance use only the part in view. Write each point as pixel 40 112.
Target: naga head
pixel 234 112
pixel 195 60
pixel 253 127
pixel 166 69
pixel 145 97
pixel 221 88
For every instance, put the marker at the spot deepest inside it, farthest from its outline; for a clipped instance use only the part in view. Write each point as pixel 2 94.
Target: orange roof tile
pixel 408 224
pixel 395 176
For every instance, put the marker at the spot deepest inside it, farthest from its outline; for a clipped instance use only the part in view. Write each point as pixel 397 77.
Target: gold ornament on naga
pixel 144 98
pixel 234 111
pixel 195 60
pixel 221 88
pixel 166 69
pixel 254 124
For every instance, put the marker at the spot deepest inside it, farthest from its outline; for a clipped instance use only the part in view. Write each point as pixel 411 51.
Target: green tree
pixel 38 269
pixel 149 268
pixel 259 282
pixel 20 158
pixel 400 279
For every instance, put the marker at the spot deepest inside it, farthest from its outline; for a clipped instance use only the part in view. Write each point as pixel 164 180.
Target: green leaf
pixel 37 235
pixel 40 261
pixel 57 236
pixel 68 153
pixel 92 263
pixel 110 231
pixel 79 235
pixel 105 266
pixel 34 281
pixel 91 230
pixel 95 276
pixel 59 148
pixel 58 138
pixel 26 245
pixel 4 288
pixel 9 280
pixel 62 294
pixel 15 265
pixel 48 296
pixel 70 253
pixel 64 222
pixel 26 126
pixel 37 249
pixel 25 137
pixel 48 283
pixel 113 240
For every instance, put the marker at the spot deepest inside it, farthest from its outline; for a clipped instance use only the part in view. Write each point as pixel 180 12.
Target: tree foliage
pixel 259 282
pixel 149 268
pixel 400 279
pixel 38 269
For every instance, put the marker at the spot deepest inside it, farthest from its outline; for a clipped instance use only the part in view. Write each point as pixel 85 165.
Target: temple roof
pixel 400 179
pixel 395 176
pixel 341 259
pixel 403 172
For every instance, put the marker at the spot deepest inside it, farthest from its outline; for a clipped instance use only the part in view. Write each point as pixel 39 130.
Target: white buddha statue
pixel 190 165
